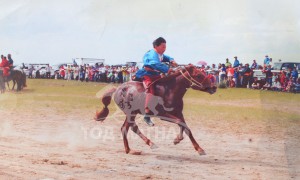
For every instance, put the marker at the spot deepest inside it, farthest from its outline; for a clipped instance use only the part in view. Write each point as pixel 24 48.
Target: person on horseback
pixel 11 63
pixel 5 65
pixel 154 69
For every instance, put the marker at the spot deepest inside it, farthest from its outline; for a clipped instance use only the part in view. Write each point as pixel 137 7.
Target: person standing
pixel 227 63
pixel 31 68
pixel 48 70
pixel 62 72
pixel 215 72
pixel 271 62
pixel 254 65
pixel 294 74
pixel 266 61
pixel 230 73
pixel 246 75
pixel 269 74
pixel 236 62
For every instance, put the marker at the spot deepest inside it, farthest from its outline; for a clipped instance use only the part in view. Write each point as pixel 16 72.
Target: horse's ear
pixel 189 66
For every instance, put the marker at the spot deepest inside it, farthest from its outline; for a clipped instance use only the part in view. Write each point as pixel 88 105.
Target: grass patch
pixel 231 104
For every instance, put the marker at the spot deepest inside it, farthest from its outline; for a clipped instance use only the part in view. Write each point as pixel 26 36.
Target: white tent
pixel 90 61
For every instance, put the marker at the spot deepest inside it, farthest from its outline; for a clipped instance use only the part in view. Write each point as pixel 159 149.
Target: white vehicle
pixel 39 70
pixel 43 72
pixel 23 67
pixel 259 74
pixel 277 67
pixel 90 61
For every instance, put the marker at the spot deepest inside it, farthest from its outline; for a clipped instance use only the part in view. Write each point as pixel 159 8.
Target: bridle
pixel 192 80
pixel 189 78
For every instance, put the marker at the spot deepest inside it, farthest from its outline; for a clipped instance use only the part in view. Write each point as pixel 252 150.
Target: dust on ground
pixel 50 144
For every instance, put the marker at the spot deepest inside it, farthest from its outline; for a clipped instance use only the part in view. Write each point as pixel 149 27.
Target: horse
pixel 19 77
pixel 171 89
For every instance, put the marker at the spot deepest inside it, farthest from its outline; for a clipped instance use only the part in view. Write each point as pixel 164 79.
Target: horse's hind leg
pixel 182 124
pixel 19 85
pixel 124 130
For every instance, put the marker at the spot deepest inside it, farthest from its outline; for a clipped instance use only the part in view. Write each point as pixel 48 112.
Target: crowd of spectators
pixel 231 75
pixel 238 75
pixel 96 73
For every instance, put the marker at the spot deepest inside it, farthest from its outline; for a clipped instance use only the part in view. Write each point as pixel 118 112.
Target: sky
pixel 55 31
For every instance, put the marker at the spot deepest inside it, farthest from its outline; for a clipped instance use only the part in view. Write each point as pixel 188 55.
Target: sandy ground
pixel 48 145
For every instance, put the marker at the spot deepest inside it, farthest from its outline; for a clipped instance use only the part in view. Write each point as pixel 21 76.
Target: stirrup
pixel 148 121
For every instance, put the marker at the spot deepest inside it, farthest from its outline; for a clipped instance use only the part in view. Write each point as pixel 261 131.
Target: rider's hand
pixel 170 71
pixel 162 75
pixel 133 77
pixel 174 64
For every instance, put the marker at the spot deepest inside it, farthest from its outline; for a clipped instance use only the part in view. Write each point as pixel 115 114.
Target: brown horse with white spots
pixel 171 90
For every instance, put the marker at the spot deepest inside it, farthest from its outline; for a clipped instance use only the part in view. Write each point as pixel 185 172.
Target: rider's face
pixel 161 48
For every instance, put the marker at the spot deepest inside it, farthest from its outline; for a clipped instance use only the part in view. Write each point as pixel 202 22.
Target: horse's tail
pixel 106 99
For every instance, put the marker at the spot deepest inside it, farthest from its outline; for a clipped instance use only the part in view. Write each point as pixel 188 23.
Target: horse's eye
pixel 199 76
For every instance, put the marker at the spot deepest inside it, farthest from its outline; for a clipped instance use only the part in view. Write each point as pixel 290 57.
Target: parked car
pixel 43 72
pixel 277 67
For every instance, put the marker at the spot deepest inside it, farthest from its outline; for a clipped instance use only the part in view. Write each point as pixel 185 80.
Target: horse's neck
pixel 172 88
pixel 183 85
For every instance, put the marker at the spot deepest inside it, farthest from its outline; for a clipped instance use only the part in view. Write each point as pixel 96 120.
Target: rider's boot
pixel 147 110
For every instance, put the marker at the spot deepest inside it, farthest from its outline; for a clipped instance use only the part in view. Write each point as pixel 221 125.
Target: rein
pixel 192 80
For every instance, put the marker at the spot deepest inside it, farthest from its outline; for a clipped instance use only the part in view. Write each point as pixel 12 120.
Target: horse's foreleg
pixel 136 130
pixel 195 144
pixel 183 125
pixel 179 136
pixel 8 85
pixel 14 83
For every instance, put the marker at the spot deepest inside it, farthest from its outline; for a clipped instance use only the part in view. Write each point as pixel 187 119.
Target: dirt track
pixel 46 141
pixel 47 145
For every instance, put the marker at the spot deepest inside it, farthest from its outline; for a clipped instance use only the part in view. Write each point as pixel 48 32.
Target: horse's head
pixel 199 80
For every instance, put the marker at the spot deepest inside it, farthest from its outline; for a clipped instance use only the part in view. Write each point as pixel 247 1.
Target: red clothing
pixel 148 82
pixel 6 66
pixel 62 71
pixel 230 71
pixel 4 63
pixel 282 79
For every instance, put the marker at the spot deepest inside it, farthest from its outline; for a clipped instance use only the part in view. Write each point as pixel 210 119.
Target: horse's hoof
pixel 177 140
pixel 132 152
pixel 201 152
pixel 153 146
